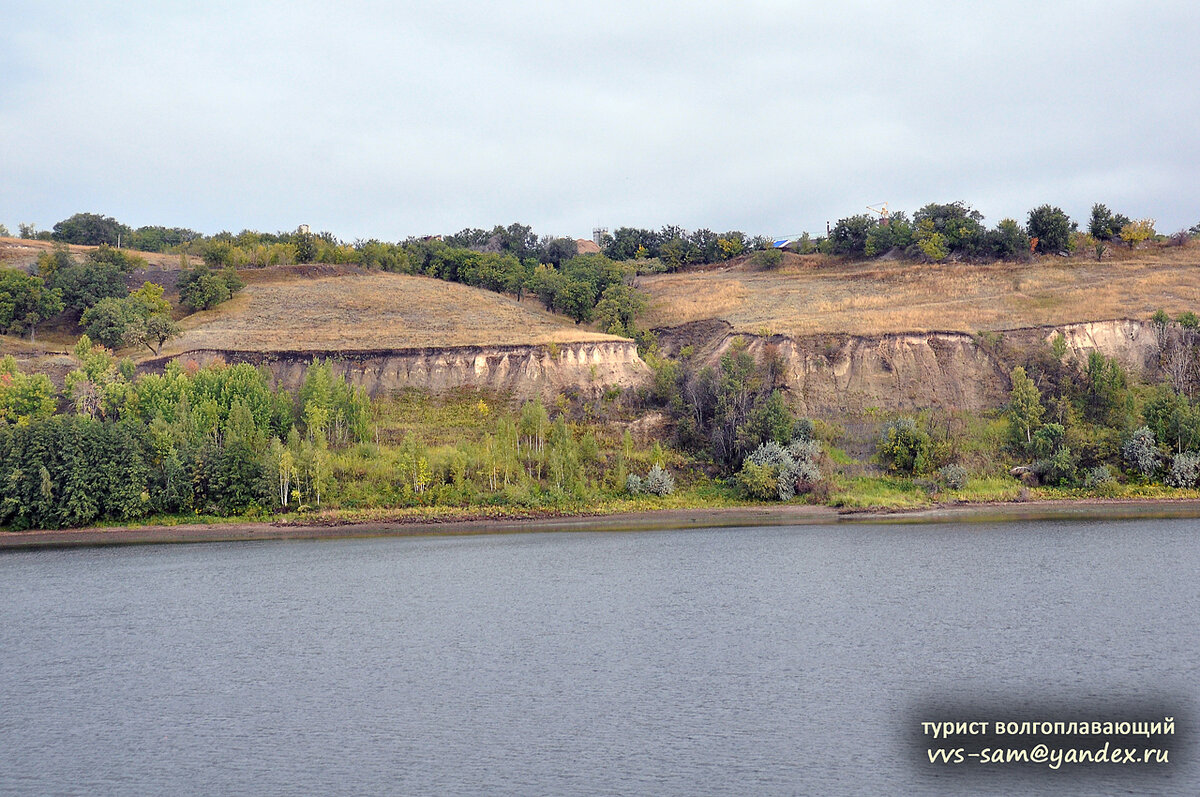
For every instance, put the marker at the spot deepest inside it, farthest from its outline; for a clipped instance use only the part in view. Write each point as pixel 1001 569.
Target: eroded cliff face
pixel 827 375
pixel 525 371
pixel 839 374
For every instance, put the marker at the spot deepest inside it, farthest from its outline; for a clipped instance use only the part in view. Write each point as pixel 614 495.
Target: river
pixel 781 660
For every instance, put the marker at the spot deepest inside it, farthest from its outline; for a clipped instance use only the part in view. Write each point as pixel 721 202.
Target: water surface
pixel 727 661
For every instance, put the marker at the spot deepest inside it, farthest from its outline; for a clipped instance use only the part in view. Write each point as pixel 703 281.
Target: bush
pixel 659 481
pixel 953 476
pixel 1185 470
pixel 1099 476
pixel 796 477
pixel 772 471
pixel 633 484
pixel 767 258
pixel 904 448
pixel 1141 454
pixel 758 481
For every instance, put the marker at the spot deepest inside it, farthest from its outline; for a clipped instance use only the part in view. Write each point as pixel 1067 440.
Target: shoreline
pixel 648 520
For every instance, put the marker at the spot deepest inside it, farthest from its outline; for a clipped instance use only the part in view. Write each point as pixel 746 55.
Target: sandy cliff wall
pixel 826 374
pixel 832 374
pixel 526 371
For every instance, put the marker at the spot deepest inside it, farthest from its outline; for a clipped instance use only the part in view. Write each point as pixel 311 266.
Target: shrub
pixel 953 476
pixel 758 481
pixel 1141 454
pixel 796 477
pixel 769 453
pixel 633 484
pixel 904 448
pixel 659 481
pixel 1099 476
pixel 1185 470
pixel 774 471
pixel 767 258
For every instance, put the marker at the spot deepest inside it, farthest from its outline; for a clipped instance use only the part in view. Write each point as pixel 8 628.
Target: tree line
pixel 938 232
pixel 95 296
pixel 214 440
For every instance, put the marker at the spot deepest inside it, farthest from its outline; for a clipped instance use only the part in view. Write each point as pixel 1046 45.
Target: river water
pixel 782 660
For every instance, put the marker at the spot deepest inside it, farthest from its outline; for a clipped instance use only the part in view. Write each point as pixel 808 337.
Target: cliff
pixel 832 374
pixel 827 374
pixel 525 371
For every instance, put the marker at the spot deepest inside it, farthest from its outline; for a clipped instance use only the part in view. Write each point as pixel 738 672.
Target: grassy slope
pixel 814 294
pixel 285 309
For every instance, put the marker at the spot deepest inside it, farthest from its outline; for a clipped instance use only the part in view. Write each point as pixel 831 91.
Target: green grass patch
pixel 878 492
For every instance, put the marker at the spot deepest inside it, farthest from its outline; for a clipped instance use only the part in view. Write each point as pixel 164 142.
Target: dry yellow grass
pixel 815 295
pixel 23 253
pixel 278 311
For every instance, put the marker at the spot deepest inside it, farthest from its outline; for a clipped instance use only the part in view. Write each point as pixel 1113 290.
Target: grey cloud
pixel 381 119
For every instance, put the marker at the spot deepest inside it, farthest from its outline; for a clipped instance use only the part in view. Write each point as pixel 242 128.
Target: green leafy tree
pixel 203 289
pixel 82 284
pixel 141 318
pixel 959 226
pixel 576 299
pixel 24 397
pixel 931 243
pixel 90 229
pixel 849 235
pixel 121 259
pixel 25 302
pixel 306 246
pixel 1052 228
pixel 898 233
pixel 108 322
pixel 619 307
pixel 1104 225
pixel 1009 240
pixel 1024 406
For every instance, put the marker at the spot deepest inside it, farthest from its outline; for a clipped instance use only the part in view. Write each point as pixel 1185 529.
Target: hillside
pixel 23 253
pixel 316 308
pixel 814 294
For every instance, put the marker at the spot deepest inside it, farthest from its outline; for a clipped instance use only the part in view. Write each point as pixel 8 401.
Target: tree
pixel 90 229
pixel 849 236
pixel 1104 224
pixel 25 302
pixel 1135 232
pixel 958 223
pixel 143 317
pixel 1024 406
pixel 1052 228
pixel 898 233
pixel 1141 453
pixel 119 258
pixel 108 321
pixel 619 307
pixel 306 246
pixel 24 397
pixel 576 300
pixel 1009 240
pixel 82 284
pixel 931 243
pixel 203 289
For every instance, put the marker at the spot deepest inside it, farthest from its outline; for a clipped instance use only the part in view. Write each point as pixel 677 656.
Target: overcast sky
pixel 386 119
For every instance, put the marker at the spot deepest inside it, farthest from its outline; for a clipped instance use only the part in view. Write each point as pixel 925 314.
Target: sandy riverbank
pixel 786 515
